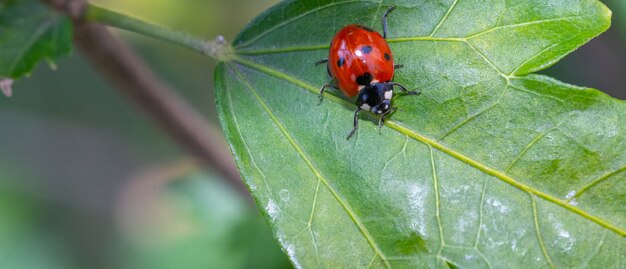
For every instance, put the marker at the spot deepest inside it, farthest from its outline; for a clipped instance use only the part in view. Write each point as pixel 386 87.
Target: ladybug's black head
pixel 376 97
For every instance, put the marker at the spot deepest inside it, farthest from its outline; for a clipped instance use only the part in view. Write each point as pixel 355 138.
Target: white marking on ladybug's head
pixel 388 95
pixel 374 81
pixel 361 87
pixel 365 107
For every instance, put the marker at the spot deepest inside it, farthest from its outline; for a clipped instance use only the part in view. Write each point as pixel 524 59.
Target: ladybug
pixel 360 63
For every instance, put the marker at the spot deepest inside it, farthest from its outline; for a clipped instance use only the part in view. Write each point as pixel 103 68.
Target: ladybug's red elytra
pixel 361 63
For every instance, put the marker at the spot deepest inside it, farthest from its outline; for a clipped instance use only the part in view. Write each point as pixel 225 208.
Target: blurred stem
pixel 123 68
pixel 216 49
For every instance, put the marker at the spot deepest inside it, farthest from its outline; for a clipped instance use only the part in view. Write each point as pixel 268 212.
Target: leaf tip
pixel 606 14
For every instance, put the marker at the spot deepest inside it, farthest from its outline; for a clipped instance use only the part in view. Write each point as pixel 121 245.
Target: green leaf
pixel 30 32
pixel 490 167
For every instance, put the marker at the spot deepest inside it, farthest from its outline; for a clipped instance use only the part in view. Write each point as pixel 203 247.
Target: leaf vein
pixel 467 120
pixel 484 258
pixel 372 261
pixel 480 214
pixel 598 248
pixel 380 4
pixel 536 93
pixel 317 189
pixel 515 25
pixel 326 46
pixel 437 202
pixel 310 223
pixel 443 19
pixel 514 72
pixel 538 230
pixel 596 181
pixel 317 252
pixel 481 54
pixel 530 145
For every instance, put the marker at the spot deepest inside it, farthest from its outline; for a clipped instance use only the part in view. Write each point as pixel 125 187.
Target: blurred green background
pixel 87 181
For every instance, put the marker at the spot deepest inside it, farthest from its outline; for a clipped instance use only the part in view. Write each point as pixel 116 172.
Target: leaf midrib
pixel 431 142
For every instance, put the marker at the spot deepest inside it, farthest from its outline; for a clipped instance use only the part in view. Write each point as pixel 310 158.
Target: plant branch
pixel 214 49
pixel 115 61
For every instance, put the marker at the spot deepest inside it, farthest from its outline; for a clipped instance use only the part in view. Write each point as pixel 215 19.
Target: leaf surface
pixel 30 32
pixel 490 167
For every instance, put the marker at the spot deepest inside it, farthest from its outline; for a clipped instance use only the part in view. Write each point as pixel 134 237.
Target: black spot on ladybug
pixel 366 28
pixel 366 49
pixel 364 79
pixel 341 61
pixel 387 56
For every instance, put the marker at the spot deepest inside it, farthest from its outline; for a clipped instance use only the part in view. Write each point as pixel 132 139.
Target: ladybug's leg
pixel 391 8
pixel 398 66
pixel 356 122
pixel 327 85
pixel 324 88
pixel 382 117
pixel 403 89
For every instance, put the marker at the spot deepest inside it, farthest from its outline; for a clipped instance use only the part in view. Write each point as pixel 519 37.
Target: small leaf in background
pixel 31 32
pixel 490 167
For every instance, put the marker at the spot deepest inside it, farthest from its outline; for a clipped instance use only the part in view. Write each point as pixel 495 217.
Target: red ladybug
pixel 360 63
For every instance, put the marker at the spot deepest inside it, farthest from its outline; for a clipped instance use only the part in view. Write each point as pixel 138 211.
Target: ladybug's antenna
pixel 321 62
pixel 391 8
